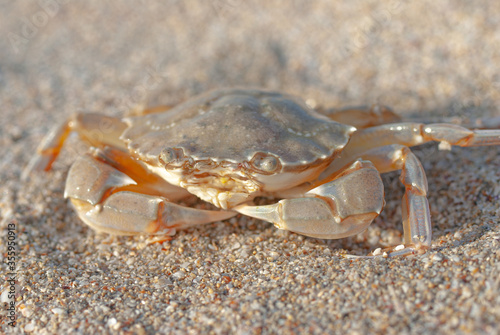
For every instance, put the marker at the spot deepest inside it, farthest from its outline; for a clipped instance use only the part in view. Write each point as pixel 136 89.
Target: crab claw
pixel 342 207
pixel 109 201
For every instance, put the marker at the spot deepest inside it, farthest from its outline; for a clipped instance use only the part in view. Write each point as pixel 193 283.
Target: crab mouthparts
pixel 223 188
pixel 224 191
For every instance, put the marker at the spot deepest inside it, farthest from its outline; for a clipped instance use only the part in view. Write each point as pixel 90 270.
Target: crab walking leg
pixel 363 116
pixel 108 201
pixel 146 182
pixel 48 150
pixel 410 134
pixel 96 129
pixel 475 123
pixel 342 207
pixel 149 110
pixel 415 207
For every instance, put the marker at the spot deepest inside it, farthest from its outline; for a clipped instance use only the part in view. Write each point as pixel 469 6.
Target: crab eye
pixel 169 155
pixel 265 163
pixel 269 164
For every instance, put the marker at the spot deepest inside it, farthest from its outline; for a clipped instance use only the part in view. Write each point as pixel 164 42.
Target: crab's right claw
pixel 342 207
pixel 110 201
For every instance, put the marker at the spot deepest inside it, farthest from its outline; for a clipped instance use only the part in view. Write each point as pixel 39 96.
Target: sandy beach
pixel 427 60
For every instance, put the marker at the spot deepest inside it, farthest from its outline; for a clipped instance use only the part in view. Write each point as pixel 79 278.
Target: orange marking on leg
pixel 160 222
pixel 53 151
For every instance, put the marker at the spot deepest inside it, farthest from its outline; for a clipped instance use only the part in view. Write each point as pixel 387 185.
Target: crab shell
pixel 229 146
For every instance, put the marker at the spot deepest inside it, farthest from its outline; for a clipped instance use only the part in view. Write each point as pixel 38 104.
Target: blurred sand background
pixel 425 59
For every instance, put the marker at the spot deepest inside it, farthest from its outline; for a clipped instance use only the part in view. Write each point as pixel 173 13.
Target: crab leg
pixel 363 116
pixel 150 110
pixel 410 134
pixel 475 123
pixel 375 115
pixel 109 201
pixel 346 205
pixel 96 129
pixel 342 207
pixel 415 207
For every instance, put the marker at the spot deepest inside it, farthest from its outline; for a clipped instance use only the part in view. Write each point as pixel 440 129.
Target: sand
pixel 426 59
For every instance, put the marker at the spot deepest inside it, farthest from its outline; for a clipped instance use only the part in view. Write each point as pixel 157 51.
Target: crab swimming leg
pixel 112 193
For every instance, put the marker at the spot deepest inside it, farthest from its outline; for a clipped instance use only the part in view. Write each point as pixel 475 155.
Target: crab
pixel 231 145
